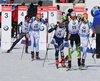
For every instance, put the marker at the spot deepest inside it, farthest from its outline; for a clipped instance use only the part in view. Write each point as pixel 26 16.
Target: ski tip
pixel 32 60
pixel 68 70
pixel 57 66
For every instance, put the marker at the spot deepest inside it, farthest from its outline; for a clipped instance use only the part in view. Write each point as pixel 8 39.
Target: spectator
pixel 83 1
pixel 23 4
pixel 4 2
pixel 58 1
pixel 32 11
pixel 11 2
pixel 59 14
pixel 70 1
pixel 15 20
pixel 63 1
pixel 40 3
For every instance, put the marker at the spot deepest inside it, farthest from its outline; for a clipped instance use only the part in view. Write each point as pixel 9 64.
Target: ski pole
pixel 91 49
pixel 92 53
pixel 47 49
pixel 23 47
pixel 90 44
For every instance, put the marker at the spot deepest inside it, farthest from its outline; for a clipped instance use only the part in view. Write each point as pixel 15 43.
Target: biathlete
pixel 84 31
pixel 35 27
pixel 24 32
pixel 73 35
pixel 59 41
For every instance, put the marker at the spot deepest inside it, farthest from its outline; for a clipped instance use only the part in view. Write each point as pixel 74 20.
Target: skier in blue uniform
pixel 35 26
pixel 59 41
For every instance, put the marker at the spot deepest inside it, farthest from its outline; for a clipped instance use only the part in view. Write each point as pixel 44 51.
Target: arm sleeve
pixel 44 22
pixel 66 26
pixel 32 20
pixel 91 25
pixel 50 30
pixel 19 25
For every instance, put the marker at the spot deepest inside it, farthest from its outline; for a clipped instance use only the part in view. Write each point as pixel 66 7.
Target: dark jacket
pixel 32 11
pixel 15 15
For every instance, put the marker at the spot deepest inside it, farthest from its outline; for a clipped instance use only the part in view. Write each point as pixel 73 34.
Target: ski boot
pixel 32 55
pixel 83 62
pixel 69 65
pixel 62 62
pixel 57 62
pixel 9 50
pixel 37 56
pixel 66 58
pixel 26 51
pixel 79 63
pixel 26 48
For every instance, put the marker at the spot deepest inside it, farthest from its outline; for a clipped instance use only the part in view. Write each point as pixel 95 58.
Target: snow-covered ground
pixel 13 68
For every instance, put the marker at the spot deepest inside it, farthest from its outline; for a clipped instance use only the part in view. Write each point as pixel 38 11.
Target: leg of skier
pixel 56 52
pixel 13 45
pixel 84 42
pixel 32 45
pixel 26 49
pixel 77 42
pixel 70 46
pixel 37 46
pixel 61 46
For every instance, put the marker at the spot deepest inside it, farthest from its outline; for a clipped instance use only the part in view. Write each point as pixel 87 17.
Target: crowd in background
pixel 70 1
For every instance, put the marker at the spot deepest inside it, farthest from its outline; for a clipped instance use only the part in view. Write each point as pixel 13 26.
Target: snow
pixel 13 68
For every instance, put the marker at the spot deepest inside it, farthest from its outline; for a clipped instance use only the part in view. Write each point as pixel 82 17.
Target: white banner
pixel 22 12
pixel 52 19
pixel 6 27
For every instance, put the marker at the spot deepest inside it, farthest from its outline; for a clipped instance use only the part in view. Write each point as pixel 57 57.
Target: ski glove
pixel 20 23
pixel 93 35
pixel 65 17
pixel 52 25
pixel 46 20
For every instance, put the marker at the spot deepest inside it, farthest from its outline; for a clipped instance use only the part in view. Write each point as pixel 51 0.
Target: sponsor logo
pixel 5 28
pixel 73 23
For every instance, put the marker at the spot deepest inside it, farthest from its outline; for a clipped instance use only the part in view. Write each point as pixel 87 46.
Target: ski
pixel 60 67
pixel 32 60
pixel 68 69
pixel 79 68
pixel 37 59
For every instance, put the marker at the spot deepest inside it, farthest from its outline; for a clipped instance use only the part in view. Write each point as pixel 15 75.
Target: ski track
pixel 12 68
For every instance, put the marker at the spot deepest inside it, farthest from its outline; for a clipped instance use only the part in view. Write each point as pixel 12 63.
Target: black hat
pixel 70 10
pixel 58 7
pixel 40 3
